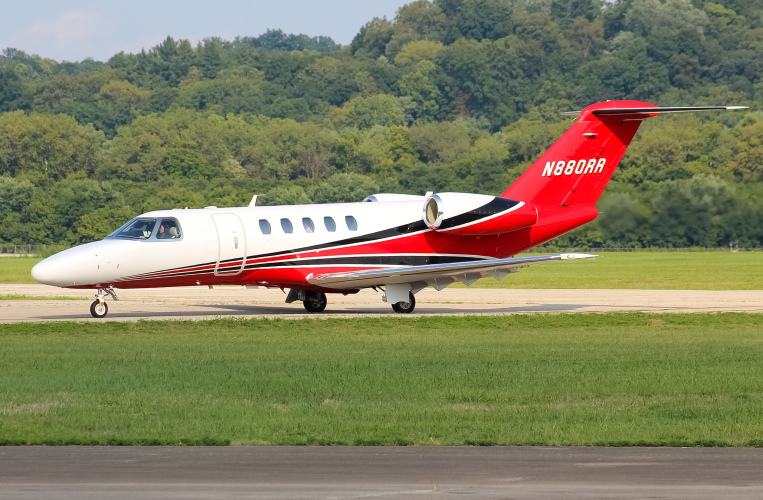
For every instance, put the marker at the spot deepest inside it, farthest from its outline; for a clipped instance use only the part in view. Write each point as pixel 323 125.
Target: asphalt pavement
pixel 379 472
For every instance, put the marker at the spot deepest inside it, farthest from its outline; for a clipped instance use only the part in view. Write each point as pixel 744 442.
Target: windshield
pixel 137 229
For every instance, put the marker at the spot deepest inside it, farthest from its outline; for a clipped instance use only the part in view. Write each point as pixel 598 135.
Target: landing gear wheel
pixel 315 302
pixel 405 307
pixel 99 309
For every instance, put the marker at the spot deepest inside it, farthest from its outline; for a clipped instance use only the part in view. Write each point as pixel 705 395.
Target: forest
pixel 450 95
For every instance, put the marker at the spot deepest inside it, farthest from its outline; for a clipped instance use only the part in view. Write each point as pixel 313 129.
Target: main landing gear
pixel 99 308
pixel 405 307
pixel 314 302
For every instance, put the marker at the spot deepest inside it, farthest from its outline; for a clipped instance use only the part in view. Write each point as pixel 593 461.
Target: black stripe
pixel 495 206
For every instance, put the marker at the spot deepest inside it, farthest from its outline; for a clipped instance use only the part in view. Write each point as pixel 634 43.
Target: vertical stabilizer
pixel 577 167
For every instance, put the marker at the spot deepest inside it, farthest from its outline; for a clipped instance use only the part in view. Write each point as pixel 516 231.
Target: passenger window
pixel 286 225
pixel 330 224
pixel 307 223
pixel 352 224
pixel 169 229
pixel 264 226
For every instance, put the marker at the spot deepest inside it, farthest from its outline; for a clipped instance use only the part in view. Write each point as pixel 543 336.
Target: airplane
pixel 396 243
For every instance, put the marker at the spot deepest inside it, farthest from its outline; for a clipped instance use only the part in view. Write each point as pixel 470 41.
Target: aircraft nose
pixel 48 272
pixel 76 266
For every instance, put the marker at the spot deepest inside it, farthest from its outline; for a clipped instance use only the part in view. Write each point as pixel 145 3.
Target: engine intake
pixel 433 211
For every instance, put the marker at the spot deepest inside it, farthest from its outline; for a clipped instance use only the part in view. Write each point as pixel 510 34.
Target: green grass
pixel 592 379
pixel 17 270
pixel 644 270
pixel 14 296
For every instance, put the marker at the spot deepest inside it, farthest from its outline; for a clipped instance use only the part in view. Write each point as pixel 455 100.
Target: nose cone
pixel 55 271
pixel 43 272
pixel 74 267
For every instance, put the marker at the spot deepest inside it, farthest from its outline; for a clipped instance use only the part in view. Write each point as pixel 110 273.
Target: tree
pixel 373 38
pixel 52 145
pixel 344 188
pixel 367 112
pixel 101 222
pixel 415 52
pixel 418 20
pixel 235 90
pixel 481 19
pixel 422 92
pixel 643 16
pixel 120 102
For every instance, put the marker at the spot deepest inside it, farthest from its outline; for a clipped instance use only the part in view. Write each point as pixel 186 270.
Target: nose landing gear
pixel 99 308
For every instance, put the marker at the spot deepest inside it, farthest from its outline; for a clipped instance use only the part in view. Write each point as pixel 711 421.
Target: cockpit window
pixel 169 229
pixel 136 229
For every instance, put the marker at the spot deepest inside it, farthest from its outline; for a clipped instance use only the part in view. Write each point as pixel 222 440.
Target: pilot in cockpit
pixel 167 230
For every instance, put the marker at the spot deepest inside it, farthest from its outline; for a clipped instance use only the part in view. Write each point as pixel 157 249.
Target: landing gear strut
pixel 405 307
pixel 99 308
pixel 315 302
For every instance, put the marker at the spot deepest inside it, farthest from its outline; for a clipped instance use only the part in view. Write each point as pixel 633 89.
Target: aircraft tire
pixel 405 307
pixel 98 309
pixel 315 302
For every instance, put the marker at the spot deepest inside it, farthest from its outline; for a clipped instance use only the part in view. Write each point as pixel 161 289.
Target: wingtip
pixel 569 256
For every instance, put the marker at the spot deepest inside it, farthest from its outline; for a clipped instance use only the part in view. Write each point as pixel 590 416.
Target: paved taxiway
pixel 386 472
pixel 202 303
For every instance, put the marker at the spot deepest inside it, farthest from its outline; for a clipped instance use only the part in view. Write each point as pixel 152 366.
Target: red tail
pixel 576 168
pixel 567 181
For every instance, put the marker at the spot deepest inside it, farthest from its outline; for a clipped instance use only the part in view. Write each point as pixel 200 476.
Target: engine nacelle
pixel 476 214
pixel 382 197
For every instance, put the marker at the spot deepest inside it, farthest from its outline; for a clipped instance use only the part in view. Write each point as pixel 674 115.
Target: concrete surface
pixel 202 303
pixel 390 472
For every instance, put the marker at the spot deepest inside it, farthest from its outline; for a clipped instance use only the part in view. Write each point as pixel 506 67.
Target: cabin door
pixel 231 244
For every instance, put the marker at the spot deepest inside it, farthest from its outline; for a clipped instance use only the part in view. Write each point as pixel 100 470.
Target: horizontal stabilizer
pixel 433 273
pixel 653 111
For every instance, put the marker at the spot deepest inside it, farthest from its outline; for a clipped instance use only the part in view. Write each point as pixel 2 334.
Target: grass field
pixel 596 379
pixel 15 296
pixel 17 270
pixel 634 270
pixel 643 270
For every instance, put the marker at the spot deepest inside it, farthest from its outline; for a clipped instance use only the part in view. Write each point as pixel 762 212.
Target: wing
pixel 436 275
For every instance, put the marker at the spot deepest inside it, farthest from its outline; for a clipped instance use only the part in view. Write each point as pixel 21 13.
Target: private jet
pixel 396 243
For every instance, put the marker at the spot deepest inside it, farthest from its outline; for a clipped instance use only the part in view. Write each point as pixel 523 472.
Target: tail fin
pixel 577 167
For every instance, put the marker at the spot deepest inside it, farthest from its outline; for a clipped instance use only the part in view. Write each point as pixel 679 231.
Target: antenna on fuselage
pixel 254 200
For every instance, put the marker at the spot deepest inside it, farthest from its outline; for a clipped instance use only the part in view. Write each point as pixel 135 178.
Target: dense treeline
pixel 457 95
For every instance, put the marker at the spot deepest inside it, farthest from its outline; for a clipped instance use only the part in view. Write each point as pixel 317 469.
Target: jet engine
pixel 384 197
pixel 476 214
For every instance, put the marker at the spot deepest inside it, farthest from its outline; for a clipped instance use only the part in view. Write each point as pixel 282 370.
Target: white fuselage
pixel 225 237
